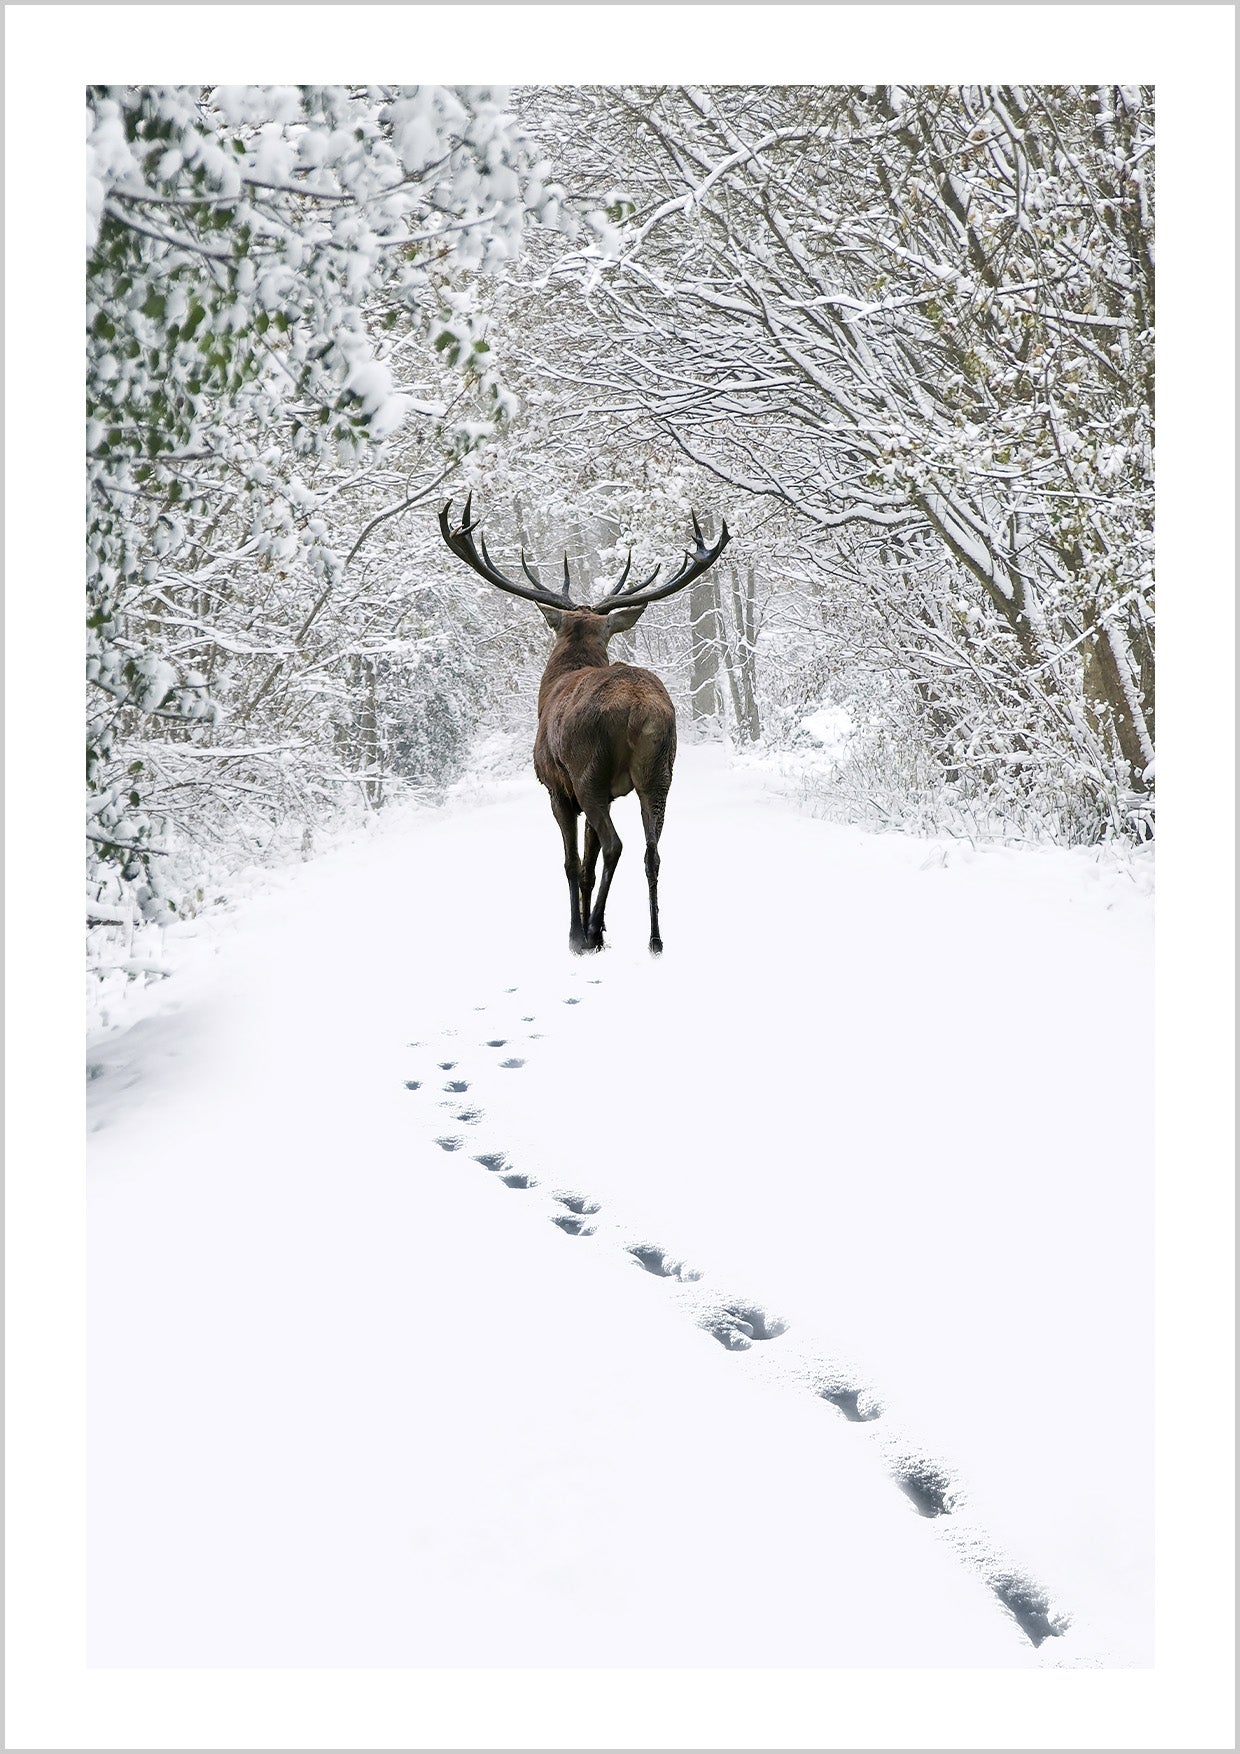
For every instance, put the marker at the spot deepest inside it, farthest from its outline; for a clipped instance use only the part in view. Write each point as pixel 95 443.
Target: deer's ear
pixel 620 620
pixel 553 617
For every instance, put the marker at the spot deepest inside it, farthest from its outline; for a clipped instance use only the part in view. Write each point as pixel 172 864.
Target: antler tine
pixel 694 566
pixel 619 584
pixel 482 544
pixel 609 600
pixel 461 542
pixel 565 593
pixel 616 600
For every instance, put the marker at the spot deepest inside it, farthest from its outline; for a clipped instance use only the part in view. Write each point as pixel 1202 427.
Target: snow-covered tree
pixel 901 337
pixel 264 266
pixel 918 324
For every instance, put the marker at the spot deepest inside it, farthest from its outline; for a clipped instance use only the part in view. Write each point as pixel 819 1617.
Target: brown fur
pixel 604 730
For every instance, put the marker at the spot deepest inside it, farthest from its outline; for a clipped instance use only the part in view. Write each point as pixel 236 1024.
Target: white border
pixel 52 1700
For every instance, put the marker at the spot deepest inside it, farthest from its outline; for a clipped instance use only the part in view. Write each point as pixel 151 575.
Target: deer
pixel 604 729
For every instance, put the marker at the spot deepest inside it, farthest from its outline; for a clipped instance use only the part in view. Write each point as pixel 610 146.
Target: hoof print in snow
pixel 449 1144
pixel 579 1204
pixel 446 1065
pixel 510 989
pixel 926 1487
pixel 517 1180
pixel 492 1160
pixel 469 1115
pixel 457 1086
pixel 854 1404
pixel 1030 1608
pixel 572 1226
pixel 662 1265
pixel 572 1001
pixel 737 1325
pixel 413 1084
pixel 501 1043
pixel 511 1065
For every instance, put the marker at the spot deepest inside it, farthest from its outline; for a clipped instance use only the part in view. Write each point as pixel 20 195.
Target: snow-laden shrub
pixel 254 257
pixel 430 717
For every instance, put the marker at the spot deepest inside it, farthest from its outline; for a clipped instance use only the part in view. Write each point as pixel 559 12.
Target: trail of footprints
pixel 737 1325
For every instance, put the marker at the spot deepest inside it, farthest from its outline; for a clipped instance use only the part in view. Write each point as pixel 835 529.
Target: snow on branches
pixel 902 336
pixel 918 321
pixel 265 267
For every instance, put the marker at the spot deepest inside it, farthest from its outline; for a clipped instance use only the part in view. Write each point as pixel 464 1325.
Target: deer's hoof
pixel 656 946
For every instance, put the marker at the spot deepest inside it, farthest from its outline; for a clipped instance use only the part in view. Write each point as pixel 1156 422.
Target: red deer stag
pixel 604 729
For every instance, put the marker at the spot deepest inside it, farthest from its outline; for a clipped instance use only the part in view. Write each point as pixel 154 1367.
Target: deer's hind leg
pixel 565 810
pixel 597 811
pixel 589 861
pixel 653 806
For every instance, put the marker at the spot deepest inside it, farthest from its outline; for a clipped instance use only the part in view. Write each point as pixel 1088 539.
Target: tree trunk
pixel 704 651
pixel 1113 688
pixel 746 647
pixel 729 670
pixel 370 751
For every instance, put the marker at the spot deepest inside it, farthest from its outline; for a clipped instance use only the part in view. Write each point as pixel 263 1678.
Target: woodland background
pixel 902 338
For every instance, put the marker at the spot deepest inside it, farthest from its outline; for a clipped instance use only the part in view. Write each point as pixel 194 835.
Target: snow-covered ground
pixel 877 1127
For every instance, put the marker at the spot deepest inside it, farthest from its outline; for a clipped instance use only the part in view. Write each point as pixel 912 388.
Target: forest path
pixel 376 1378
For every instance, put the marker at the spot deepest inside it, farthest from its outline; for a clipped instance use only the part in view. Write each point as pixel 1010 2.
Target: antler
pixel 695 565
pixel 461 542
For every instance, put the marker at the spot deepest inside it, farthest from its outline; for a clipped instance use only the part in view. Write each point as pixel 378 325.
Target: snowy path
pixel 377 1377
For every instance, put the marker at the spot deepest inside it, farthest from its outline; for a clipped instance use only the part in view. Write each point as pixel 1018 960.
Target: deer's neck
pixel 567 655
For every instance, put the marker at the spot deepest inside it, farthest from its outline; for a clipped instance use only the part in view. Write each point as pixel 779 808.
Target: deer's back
pixel 611 728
